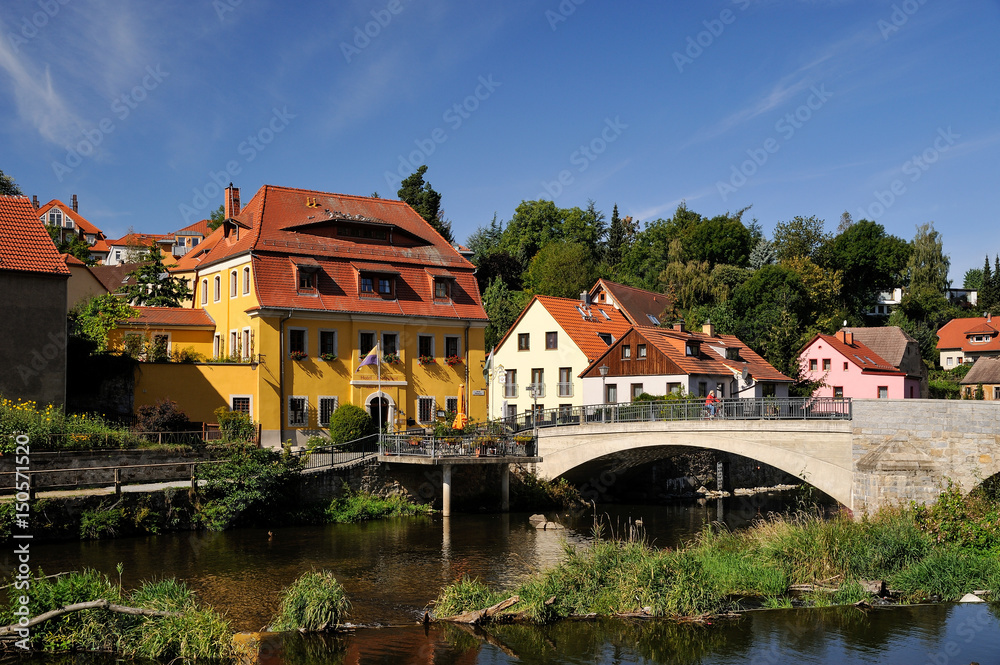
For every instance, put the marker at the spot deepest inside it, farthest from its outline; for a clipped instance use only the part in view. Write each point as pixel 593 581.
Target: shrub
pixel 101 522
pixel 164 416
pixel 236 426
pixel 251 486
pixel 363 506
pixel 315 601
pixel 349 423
pixel 186 355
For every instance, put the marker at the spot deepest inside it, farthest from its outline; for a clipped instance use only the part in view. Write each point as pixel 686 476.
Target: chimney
pixel 847 337
pixel 232 203
pixel 679 327
pixel 707 328
pixel 585 297
pixel 34 201
pixel 74 203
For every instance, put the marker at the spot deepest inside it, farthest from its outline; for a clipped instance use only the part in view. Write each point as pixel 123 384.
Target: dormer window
pixel 692 349
pixel 367 285
pixel 607 338
pixel 307 279
pixel 306 274
pixel 376 279
pixel 55 218
pixel 442 289
pixel 732 353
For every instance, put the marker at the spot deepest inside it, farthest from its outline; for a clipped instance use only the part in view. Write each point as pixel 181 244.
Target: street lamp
pixel 603 369
pixel 533 389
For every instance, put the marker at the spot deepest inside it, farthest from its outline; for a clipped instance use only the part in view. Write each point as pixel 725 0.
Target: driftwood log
pixel 478 616
pixel 11 630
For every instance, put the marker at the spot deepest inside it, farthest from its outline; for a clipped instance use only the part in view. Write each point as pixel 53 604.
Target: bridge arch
pixel 818 452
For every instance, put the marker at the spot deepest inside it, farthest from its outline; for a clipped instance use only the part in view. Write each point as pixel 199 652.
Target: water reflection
pixel 894 636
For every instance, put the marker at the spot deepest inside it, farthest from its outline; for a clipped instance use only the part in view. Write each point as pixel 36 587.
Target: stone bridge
pixel 884 451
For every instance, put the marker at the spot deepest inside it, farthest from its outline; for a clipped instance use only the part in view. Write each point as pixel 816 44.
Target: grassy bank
pixel 363 506
pixel 193 632
pixel 941 552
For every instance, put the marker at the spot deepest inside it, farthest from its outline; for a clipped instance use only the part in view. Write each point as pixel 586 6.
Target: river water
pixel 392 569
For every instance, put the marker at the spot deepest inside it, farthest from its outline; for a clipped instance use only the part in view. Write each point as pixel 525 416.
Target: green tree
pixel 425 201
pixel 73 245
pixel 150 284
pixel 690 283
pixel 8 187
pixel 533 225
pixel 871 261
pixel 217 217
pixel 763 254
pixel 721 239
pixel 562 269
pixel 928 265
pixel 801 236
pixel 502 307
pixel 617 239
pixel 987 292
pixel 973 279
pixel 95 317
pixel 586 227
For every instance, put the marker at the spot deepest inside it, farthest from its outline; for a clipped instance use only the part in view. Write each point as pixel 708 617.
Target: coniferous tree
pixel 8 186
pixel 616 238
pixel 987 297
pixel 425 201
pixel 152 286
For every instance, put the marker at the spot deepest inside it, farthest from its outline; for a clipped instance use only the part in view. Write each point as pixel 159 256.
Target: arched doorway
pixel 382 409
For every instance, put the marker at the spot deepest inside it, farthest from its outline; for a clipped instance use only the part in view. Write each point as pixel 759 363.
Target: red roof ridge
pixel 322 193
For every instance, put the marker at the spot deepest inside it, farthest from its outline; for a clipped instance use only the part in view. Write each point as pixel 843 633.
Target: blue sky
pixel 887 110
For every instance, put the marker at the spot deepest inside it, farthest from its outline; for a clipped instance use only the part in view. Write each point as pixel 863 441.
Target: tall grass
pixel 902 546
pixel 198 633
pixel 314 602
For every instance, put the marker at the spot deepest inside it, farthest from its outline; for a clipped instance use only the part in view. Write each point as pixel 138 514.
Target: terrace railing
pixel 475 445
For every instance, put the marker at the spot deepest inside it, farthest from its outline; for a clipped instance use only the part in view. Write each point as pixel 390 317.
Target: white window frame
pixel 319 409
pixel 217 288
pixel 433 413
pixel 204 291
pixel 399 342
pixel 234 342
pixel 248 397
pixel 305 340
pixel 246 280
pixel 336 341
pixel 217 345
pixel 246 343
pixel 458 344
pixel 288 411
pixel 420 336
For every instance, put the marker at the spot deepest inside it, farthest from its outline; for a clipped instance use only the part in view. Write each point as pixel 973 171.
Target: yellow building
pixel 299 288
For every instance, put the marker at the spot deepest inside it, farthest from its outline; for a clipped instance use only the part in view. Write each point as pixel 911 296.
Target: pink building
pixel 848 368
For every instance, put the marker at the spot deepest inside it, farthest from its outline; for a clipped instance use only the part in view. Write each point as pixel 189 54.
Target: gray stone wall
pixel 33 337
pixel 906 450
pixel 97 468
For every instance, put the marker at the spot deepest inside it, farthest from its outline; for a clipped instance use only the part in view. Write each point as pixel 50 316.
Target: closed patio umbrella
pixel 461 418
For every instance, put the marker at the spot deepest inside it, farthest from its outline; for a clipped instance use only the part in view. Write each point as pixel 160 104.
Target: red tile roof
pixel 25 245
pixel 71 260
pixel 196 256
pixel 711 359
pixel 859 354
pixel 113 277
pixel 583 330
pixel 80 222
pixel 170 316
pixel 139 240
pixel 637 304
pixel 283 222
pixel 200 228
pixel 955 334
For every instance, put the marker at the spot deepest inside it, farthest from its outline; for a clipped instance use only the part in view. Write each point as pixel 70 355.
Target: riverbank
pixel 936 553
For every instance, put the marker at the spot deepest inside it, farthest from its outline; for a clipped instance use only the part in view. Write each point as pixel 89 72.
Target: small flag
pixel 370 359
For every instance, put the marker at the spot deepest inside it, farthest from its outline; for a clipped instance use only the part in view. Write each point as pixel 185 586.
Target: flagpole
pixel 378 354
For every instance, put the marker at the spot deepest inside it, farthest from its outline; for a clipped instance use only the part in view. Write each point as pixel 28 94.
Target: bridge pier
pixel 505 488
pixel 446 490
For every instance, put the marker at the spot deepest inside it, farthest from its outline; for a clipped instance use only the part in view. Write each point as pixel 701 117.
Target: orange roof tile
pixel 200 228
pixel 82 223
pixel 139 239
pixel 170 316
pixel 955 334
pixel 25 245
pixel 71 260
pixel 196 256
pixel 637 304
pixel 282 222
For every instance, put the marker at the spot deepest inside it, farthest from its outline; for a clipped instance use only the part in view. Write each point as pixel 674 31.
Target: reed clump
pixel 363 506
pixel 314 602
pixel 942 551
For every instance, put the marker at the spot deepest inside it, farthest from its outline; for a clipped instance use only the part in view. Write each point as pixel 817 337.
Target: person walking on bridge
pixel 710 403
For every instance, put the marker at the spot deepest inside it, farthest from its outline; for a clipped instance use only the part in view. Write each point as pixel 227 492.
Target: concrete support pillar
pixel 505 488
pixel 446 490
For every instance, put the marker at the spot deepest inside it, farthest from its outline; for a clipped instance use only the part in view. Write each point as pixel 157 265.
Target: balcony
pixel 510 390
pixel 536 390
pixel 565 389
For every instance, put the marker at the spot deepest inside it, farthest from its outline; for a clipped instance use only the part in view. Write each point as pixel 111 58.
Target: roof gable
pixel 582 324
pixel 858 354
pixel 25 245
pixel 81 222
pixel 958 333
pixel 637 305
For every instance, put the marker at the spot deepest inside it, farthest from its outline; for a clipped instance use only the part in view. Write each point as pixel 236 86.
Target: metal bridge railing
pixel 768 408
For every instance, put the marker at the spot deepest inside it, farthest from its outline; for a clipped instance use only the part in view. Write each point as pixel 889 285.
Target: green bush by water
pixel 314 602
pixel 363 506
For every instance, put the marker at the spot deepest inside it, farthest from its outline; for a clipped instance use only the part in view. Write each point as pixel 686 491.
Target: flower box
pixel 391 358
pixel 426 360
pixel 299 355
pixel 329 357
pixel 453 360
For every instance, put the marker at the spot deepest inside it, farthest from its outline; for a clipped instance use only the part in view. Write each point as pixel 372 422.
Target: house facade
pixel 33 279
pixel 300 286
pixel 538 361
pixel 846 367
pixel 660 361
pixel 962 341
pixel 899 349
pixel 69 222
pixel 985 374
pixel 82 284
